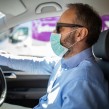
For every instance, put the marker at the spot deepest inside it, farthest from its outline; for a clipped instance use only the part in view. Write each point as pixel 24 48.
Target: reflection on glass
pixel 105 22
pixel 20 33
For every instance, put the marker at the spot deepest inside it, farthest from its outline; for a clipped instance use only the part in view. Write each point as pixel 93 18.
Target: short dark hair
pixel 90 19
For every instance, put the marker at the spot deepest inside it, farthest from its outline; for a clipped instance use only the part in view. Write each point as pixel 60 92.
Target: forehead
pixel 68 16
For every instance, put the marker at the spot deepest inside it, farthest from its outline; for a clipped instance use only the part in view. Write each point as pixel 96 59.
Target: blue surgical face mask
pixel 56 46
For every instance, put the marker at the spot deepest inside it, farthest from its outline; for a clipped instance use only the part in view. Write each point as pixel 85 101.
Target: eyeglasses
pixel 59 25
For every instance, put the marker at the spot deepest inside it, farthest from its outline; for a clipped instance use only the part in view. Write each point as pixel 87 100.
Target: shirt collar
pixel 76 59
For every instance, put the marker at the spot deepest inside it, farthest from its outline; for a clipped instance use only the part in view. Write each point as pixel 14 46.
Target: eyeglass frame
pixel 58 25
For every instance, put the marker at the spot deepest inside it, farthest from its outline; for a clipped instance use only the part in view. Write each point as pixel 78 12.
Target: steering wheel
pixel 3 87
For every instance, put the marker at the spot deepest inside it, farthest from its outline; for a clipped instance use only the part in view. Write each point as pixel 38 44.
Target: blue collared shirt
pixel 75 83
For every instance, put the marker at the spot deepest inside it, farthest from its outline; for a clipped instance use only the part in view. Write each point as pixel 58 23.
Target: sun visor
pixel 12 7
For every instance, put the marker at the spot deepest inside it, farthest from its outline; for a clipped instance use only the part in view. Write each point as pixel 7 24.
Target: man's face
pixel 68 17
pixel 71 32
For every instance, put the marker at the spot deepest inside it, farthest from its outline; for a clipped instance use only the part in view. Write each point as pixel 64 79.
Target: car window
pixel 30 38
pixel 3 36
pixel 20 34
pixel 105 22
pixel 33 38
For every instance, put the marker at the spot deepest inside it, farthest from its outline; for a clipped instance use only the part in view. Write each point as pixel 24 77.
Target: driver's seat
pixel 101 51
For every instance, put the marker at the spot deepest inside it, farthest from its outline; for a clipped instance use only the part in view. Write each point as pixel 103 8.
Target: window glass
pixel 20 34
pixel 3 36
pixel 42 28
pixel 105 22
pixel 30 38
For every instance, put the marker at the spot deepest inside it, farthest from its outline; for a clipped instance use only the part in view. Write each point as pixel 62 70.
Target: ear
pixel 82 34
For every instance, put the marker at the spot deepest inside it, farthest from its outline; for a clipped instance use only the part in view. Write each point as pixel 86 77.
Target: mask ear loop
pixel 75 42
pixel 68 32
pixel 71 45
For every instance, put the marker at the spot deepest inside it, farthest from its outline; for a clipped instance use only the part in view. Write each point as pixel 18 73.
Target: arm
pixel 84 95
pixel 33 65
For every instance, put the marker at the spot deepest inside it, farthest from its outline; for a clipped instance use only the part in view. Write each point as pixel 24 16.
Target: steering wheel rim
pixel 3 90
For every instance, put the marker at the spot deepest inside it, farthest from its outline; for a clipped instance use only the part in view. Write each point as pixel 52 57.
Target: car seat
pixel 101 52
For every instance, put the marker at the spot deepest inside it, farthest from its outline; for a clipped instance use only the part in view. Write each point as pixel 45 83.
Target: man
pixel 76 81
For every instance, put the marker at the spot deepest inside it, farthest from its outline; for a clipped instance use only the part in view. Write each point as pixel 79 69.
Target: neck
pixel 75 50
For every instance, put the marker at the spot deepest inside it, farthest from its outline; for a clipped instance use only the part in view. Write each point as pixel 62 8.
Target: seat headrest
pixel 101 47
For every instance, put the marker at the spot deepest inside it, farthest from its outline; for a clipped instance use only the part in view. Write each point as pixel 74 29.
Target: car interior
pixel 100 50
pixel 24 88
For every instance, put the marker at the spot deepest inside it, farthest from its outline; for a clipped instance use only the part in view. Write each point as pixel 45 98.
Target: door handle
pixel 10 75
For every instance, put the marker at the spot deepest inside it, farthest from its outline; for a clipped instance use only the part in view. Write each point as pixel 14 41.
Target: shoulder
pixel 88 71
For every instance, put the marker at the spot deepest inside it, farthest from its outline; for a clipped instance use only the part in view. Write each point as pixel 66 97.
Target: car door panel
pixel 23 85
